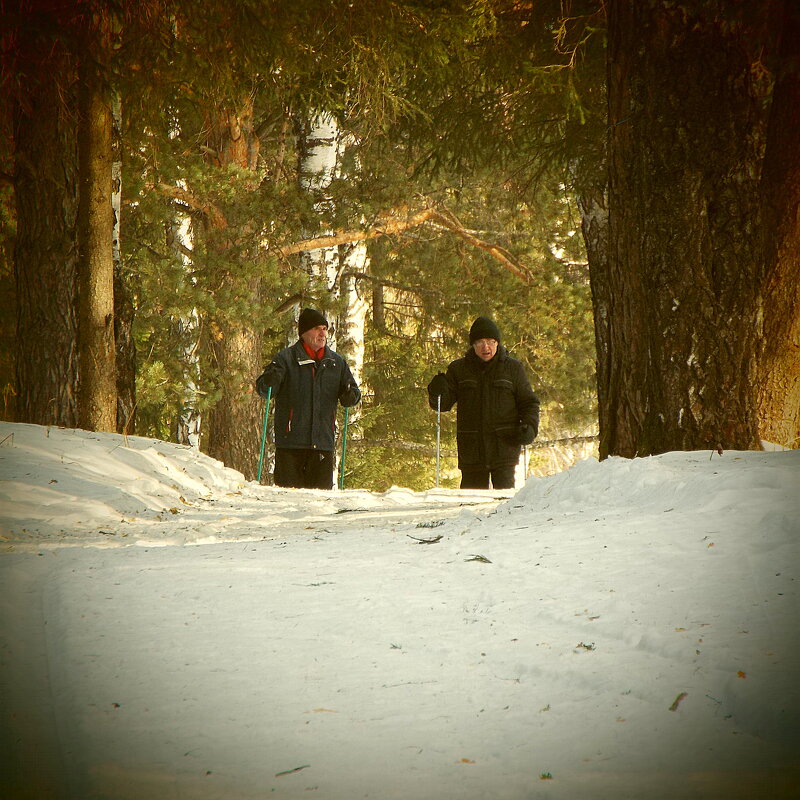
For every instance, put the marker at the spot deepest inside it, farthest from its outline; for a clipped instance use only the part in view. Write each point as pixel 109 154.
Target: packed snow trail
pixel 135 490
pixel 625 629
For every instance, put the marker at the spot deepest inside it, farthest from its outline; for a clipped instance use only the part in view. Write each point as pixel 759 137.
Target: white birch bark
pixel 320 163
pixel 189 421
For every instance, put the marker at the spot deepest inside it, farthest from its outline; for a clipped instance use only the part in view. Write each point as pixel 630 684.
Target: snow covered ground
pixel 624 629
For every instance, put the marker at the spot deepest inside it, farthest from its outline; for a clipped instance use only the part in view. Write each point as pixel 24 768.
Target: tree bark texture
pixel 682 278
pixel 779 375
pixel 235 421
pixel 45 253
pixel 98 380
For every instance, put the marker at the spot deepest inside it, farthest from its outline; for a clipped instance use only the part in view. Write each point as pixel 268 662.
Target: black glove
pixel 351 395
pixel 267 380
pixel 525 434
pixel 438 387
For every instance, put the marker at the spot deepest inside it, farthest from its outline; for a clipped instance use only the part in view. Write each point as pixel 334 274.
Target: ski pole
pixel 438 434
pixel 264 434
pixel 344 449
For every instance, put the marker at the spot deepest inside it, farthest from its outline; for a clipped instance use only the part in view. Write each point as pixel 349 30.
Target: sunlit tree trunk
pixel 45 252
pixel 97 400
pixel 235 421
pixel 779 377
pixel 684 260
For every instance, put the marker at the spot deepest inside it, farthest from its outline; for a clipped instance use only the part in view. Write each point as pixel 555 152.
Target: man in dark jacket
pixel 308 380
pixel 497 413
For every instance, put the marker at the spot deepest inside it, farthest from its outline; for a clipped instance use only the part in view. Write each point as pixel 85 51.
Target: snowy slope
pixel 625 629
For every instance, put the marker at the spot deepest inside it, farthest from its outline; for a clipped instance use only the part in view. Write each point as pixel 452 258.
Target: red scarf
pixel 311 354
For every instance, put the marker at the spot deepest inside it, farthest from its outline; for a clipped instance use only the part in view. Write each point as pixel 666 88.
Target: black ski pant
pixel 478 477
pixel 304 469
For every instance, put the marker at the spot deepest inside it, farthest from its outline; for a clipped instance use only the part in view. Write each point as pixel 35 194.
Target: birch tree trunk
pixel 97 399
pixel 180 238
pixel 682 278
pixel 321 148
pixel 318 165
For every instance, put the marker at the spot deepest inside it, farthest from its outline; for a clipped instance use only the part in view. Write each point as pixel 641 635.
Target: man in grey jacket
pixel 308 381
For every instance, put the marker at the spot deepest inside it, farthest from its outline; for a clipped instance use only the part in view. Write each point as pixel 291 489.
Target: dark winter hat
pixel 310 318
pixel 483 328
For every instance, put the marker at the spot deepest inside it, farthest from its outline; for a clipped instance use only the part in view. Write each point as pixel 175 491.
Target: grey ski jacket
pixel 306 394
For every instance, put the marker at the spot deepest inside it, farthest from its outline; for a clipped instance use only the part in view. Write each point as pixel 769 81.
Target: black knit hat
pixel 483 328
pixel 310 318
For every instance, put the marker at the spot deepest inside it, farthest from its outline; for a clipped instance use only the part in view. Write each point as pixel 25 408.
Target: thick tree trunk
pixel 235 421
pixel 97 407
pixel 235 424
pixel 682 279
pixel 45 254
pixel 779 381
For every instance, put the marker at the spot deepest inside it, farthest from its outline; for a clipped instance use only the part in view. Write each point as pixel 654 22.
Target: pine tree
pixel 685 275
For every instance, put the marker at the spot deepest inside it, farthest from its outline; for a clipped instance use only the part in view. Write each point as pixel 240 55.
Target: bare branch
pixel 214 215
pixel 502 255
pixel 393 224
pixel 398 221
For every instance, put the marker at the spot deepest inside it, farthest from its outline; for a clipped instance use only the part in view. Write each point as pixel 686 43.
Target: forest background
pixel 616 184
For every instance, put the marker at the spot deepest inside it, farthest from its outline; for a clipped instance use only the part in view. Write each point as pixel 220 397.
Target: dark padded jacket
pixel 306 394
pixel 494 398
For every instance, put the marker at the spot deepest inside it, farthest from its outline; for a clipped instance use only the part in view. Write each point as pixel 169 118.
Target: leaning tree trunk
pixel 779 383
pixel 97 403
pixel 235 421
pixel 683 262
pixel 45 253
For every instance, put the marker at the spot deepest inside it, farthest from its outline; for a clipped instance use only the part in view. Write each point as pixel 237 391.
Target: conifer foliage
pixel 468 175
